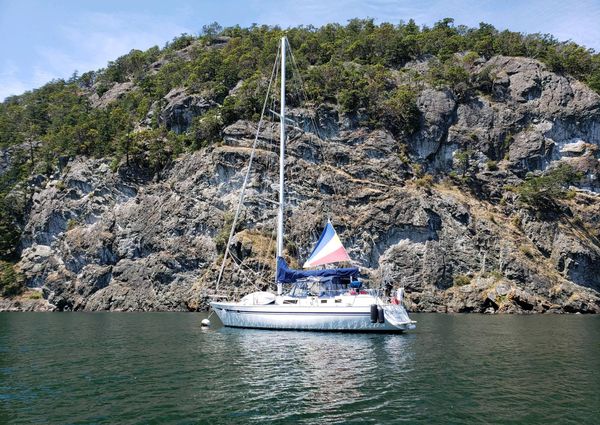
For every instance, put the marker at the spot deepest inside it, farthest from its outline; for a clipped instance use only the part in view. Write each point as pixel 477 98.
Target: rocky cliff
pixel 98 237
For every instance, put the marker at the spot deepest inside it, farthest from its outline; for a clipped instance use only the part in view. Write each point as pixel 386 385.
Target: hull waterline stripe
pixel 316 313
pixel 370 330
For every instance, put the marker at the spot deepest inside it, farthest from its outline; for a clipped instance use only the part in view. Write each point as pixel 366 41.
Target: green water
pixel 164 368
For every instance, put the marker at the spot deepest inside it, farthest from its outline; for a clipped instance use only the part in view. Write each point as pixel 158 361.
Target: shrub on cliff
pixel 544 190
pixel 461 280
pixel 9 235
pixel 463 160
pixel 452 74
pixel 11 282
pixel 206 129
pixel 399 112
pixel 222 237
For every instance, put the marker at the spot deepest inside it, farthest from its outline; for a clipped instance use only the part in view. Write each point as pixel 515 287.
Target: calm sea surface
pixel 164 368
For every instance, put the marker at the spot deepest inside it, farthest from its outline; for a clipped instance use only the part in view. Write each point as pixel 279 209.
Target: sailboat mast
pixel 281 162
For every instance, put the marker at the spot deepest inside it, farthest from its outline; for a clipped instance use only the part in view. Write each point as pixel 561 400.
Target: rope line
pixel 243 190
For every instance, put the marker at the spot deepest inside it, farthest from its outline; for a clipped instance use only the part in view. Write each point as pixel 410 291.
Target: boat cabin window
pixel 323 287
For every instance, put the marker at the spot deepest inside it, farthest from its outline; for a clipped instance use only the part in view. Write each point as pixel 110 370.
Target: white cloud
pixel 100 37
pixel 10 83
pixel 579 22
pixel 87 44
pixel 41 76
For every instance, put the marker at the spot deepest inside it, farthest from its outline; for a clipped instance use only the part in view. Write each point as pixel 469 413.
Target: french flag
pixel 329 249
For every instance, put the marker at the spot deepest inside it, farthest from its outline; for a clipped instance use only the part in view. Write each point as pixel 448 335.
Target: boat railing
pixel 220 295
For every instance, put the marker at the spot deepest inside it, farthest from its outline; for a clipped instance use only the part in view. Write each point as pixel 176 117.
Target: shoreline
pixel 24 305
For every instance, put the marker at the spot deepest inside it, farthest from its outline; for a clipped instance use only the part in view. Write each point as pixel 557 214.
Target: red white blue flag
pixel 329 249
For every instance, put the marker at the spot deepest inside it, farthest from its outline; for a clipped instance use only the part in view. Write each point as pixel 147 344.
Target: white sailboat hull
pixel 307 318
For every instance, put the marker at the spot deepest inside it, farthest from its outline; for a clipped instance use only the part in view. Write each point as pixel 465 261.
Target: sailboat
pixel 326 299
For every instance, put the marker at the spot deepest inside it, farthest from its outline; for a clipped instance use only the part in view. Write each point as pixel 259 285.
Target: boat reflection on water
pixel 316 369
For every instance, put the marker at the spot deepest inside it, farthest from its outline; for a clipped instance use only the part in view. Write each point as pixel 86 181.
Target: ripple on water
pixel 164 368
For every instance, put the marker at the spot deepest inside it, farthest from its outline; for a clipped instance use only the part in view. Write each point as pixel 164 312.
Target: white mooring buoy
pixel 205 322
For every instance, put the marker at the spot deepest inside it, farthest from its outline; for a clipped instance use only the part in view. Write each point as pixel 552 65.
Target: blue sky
pixel 42 40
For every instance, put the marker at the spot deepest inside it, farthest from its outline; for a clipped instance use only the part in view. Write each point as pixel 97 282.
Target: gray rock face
pixel 24 304
pixel 437 111
pixel 117 91
pixel 15 155
pixel 530 118
pixel 181 108
pixel 101 240
pixel 5 161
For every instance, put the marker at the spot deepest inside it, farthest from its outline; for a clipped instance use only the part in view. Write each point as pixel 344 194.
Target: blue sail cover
pixel 287 275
